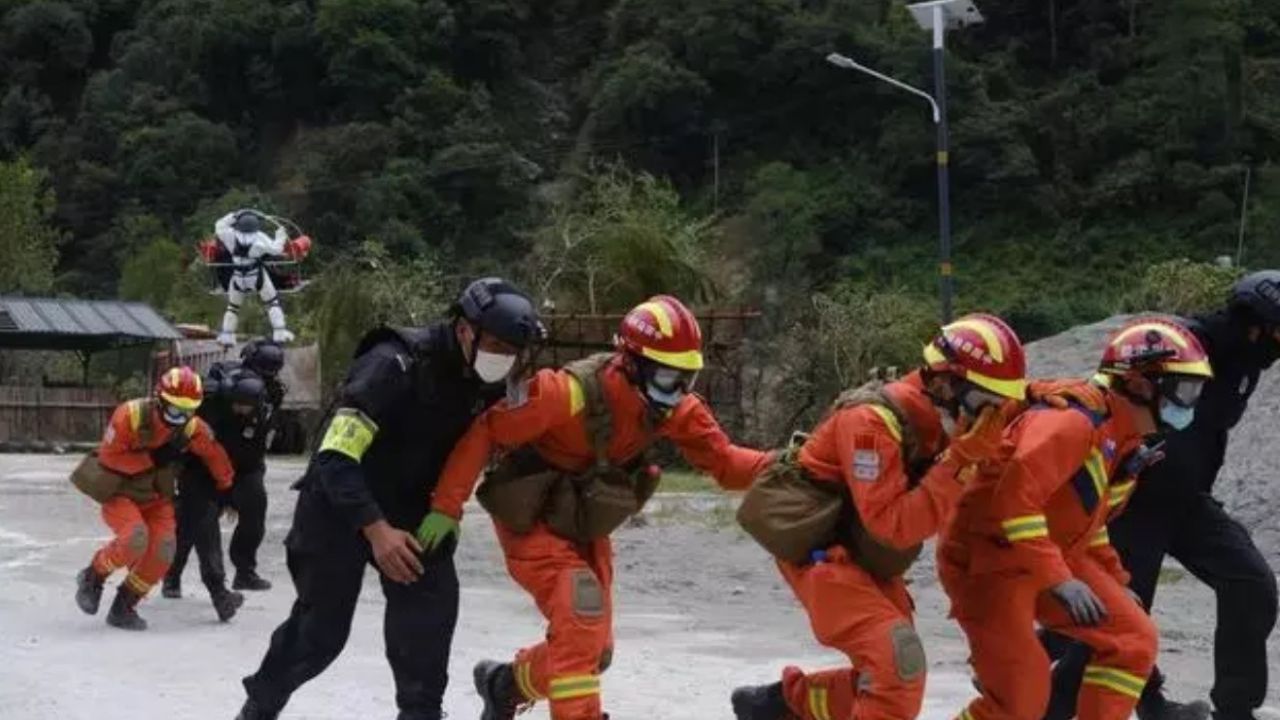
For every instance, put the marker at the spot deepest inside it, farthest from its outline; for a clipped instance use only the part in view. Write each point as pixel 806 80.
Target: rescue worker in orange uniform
pixel 901 461
pixel 144 441
pixel 587 426
pixel 1028 542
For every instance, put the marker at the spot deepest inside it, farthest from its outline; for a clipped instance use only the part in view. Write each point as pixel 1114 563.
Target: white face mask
pixel 493 367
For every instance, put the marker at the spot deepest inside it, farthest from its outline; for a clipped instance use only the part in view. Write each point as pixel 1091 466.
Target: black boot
pixel 123 613
pixel 759 702
pixel 253 711
pixel 249 580
pixel 1153 705
pixel 172 587
pixel 226 603
pixel 496 684
pixel 1157 707
pixel 89 590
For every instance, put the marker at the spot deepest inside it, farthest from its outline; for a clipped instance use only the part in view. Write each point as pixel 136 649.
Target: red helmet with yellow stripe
pixel 182 388
pixel 1155 346
pixel 982 350
pixel 663 330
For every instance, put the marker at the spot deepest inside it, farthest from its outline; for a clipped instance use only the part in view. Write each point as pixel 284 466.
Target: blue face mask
pixel 1176 416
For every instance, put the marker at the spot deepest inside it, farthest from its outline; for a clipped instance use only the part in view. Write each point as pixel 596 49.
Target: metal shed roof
pixel 89 325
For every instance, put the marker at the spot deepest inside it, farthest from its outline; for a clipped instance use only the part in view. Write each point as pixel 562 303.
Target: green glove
pixel 434 529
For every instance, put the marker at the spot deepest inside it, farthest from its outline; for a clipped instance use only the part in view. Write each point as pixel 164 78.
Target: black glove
pixel 1142 458
pixel 1081 603
pixel 172 450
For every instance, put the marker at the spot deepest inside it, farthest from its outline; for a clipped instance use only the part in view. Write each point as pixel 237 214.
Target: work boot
pixel 1156 706
pixel 759 702
pixel 226 603
pixel 253 711
pixel 172 588
pixel 123 613
pixel 496 684
pixel 89 590
pixel 249 580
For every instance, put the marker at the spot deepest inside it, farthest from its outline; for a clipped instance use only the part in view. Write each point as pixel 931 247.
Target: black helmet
pixel 247 222
pixel 248 389
pixel 1259 295
pixel 263 357
pixel 498 308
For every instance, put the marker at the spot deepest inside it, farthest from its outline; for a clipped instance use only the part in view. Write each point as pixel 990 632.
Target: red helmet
pixel 1155 346
pixel 181 387
pixel 983 350
pixel 663 330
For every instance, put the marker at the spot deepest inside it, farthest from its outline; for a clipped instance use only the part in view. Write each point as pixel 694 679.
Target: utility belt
pixel 792 514
pixel 524 490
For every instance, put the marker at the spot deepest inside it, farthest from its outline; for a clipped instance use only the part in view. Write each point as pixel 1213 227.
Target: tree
pixel 625 238
pixel 28 242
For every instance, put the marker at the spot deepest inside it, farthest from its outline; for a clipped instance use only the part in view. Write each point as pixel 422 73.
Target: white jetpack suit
pixel 240 232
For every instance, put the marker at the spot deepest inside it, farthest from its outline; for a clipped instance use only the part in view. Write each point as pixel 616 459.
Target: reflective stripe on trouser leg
pixel 822 695
pixel 1115 679
pixel 568 687
pixel 523 670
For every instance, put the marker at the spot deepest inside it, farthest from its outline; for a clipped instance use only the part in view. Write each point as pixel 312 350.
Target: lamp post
pixel 937 16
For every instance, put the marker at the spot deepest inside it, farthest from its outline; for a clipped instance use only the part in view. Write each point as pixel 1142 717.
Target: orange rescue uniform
pixel 1026 524
pixel 870 620
pixel 143 520
pixel 572 582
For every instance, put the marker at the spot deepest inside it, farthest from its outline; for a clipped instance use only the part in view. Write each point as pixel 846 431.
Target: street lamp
pixel 937 16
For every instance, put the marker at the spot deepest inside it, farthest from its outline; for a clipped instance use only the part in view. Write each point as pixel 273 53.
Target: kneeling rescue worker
pixel 1028 542
pixel 576 470
pixel 132 475
pixel 408 397
pixel 845 514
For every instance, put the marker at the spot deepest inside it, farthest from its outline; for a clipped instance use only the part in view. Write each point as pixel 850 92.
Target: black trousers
pixel 1219 552
pixel 327 562
pixel 249 498
pixel 197 516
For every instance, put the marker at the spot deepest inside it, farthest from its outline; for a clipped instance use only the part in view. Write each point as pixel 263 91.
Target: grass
pixel 685 481
pixel 1169 575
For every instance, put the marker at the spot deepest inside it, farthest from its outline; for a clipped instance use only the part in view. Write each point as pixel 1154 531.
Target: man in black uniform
pixel 407 399
pixel 234 409
pixel 264 358
pixel 242 402
pixel 1173 513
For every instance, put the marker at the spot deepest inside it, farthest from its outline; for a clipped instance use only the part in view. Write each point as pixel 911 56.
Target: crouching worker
pixel 132 475
pixel 575 470
pixel 1028 543
pixel 845 513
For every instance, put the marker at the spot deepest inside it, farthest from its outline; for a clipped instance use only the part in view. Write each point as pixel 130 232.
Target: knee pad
pixel 136 543
pixel 167 546
pixel 908 652
pixel 587 596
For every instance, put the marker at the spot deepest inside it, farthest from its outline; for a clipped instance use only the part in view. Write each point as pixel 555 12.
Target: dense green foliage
pixel 599 150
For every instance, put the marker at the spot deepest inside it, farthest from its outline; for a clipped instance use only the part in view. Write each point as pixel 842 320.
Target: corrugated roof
pixel 95 321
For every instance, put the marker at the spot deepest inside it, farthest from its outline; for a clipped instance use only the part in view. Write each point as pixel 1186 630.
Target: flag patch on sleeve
pixel 866 461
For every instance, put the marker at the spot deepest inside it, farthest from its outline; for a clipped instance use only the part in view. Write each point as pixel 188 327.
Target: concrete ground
pixel 700 609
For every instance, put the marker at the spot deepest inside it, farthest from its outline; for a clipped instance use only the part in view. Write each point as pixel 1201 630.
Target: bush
pixel 851 331
pixel 369 288
pixel 1183 287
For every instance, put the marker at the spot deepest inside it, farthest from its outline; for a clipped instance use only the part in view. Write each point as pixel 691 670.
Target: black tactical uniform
pixel 1173 513
pixel 199 502
pixel 407 399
